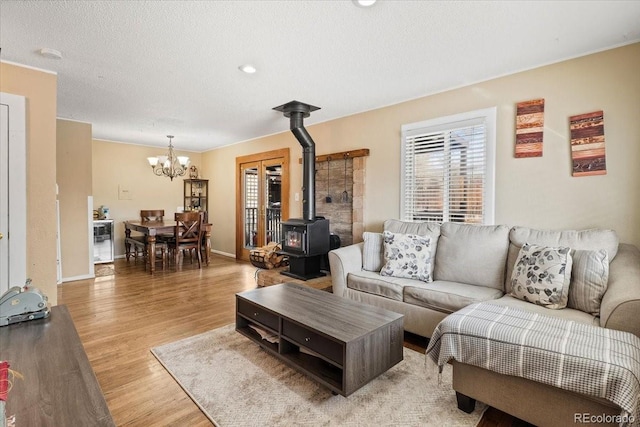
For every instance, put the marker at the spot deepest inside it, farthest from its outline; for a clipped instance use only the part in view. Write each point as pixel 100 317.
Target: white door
pixel 13 192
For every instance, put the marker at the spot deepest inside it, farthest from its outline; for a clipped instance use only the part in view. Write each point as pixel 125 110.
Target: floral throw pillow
pixel 542 275
pixel 407 255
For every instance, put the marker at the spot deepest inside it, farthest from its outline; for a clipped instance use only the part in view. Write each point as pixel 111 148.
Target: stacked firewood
pixel 267 256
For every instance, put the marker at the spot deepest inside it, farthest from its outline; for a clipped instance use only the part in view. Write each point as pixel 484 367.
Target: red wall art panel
pixel 587 144
pixel 529 125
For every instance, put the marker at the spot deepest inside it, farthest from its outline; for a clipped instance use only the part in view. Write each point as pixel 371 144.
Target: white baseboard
pixel 227 254
pixel 74 278
pixel 213 251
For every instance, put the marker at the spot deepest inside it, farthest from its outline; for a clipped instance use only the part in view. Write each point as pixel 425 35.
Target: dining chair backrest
pixel 152 215
pixel 188 228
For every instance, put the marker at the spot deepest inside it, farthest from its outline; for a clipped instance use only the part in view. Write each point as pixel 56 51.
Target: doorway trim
pixel 283 154
pixel 15 181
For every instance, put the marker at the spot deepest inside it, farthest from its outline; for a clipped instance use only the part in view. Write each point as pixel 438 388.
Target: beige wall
pixel 39 89
pixel 120 166
pixel 74 187
pixel 536 192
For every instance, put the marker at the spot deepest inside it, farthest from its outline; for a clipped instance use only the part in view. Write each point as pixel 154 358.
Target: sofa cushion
pixel 542 275
pixel 567 313
pixel 427 229
pixel 373 283
pixel 372 251
pixel 447 297
pixel 406 255
pixel 589 278
pixel 589 240
pixel 473 254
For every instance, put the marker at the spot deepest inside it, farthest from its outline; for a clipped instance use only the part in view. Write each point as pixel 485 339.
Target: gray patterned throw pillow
pixel 589 279
pixel 407 255
pixel 542 275
pixel 373 251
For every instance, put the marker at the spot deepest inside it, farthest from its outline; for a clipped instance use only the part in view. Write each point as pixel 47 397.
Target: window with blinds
pixel 448 169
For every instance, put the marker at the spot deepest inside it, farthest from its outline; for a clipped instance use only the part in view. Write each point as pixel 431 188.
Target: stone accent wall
pixel 358 198
pixel 345 218
pixel 330 181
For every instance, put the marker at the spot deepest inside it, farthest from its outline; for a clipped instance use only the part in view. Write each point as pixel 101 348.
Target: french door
pixel 262 190
pixel 13 192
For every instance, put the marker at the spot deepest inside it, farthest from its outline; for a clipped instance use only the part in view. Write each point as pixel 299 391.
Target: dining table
pixel 151 229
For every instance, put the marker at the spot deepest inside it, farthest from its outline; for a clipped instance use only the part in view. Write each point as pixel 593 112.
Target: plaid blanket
pixel 585 359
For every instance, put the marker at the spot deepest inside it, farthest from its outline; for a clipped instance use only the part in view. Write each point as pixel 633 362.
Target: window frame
pixel 487 116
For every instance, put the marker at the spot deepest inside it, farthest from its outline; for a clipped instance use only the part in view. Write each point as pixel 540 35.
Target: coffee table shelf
pixel 340 343
pixel 315 365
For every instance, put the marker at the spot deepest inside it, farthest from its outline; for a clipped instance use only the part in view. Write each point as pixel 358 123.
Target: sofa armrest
pixel 621 302
pixel 343 261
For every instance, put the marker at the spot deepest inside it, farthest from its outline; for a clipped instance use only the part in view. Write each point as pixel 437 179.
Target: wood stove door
pixel 263 196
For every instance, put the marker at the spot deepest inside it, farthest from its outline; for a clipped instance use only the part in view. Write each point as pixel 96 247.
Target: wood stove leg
pixel 465 403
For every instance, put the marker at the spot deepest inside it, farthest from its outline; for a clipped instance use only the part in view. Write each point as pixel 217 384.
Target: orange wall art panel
pixel 587 144
pixel 529 126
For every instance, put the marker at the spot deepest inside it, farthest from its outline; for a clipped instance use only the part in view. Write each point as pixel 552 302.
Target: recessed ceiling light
pixel 50 53
pixel 247 68
pixel 364 3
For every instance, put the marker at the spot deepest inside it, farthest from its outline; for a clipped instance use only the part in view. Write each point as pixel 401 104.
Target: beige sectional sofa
pixel 470 264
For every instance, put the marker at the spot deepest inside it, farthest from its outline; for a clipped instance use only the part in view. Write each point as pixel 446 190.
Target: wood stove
pixel 305 240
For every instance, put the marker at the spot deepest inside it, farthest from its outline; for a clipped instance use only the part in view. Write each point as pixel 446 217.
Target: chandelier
pixel 169 165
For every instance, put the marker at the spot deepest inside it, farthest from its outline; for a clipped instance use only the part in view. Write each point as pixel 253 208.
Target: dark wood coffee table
pixel 341 343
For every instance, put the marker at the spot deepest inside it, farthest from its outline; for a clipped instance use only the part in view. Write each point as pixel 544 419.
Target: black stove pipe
pixel 308 167
pixel 297 111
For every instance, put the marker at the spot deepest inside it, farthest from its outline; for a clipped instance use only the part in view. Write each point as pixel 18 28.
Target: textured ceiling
pixel 138 70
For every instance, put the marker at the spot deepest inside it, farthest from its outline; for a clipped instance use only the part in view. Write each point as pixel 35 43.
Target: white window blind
pixel 448 169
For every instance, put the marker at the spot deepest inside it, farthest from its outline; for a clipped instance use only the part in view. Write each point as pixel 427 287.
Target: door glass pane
pixel 250 184
pixel 4 200
pixel 273 202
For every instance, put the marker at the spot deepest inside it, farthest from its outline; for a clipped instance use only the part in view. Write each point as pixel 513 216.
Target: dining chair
pixel 152 215
pixel 187 237
pixel 139 243
pixel 155 215
pixel 203 245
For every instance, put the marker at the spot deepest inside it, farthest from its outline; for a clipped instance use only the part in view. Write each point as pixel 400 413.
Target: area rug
pixel 235 383
pixel 102 270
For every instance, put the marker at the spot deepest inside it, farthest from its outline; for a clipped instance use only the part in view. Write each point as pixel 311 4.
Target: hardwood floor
pixel 121 317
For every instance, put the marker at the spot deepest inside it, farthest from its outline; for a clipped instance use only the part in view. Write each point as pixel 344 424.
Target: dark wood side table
pixel 59 387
